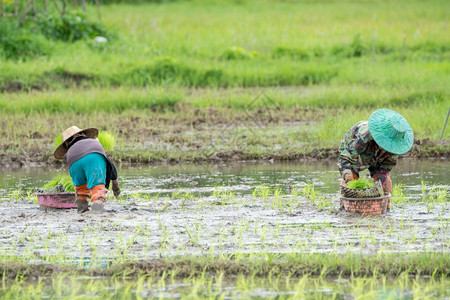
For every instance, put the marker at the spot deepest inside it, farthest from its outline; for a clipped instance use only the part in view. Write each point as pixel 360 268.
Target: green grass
pixel 257 43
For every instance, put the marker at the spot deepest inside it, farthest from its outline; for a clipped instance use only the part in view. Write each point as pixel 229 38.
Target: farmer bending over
pixel 89 166
pixel 375 145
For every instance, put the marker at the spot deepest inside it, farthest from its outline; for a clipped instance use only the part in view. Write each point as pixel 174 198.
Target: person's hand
pixel 115 188
pixel 347 176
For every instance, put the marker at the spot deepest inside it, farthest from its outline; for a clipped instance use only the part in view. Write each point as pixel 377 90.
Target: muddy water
pixel 240 178
pixel 188 210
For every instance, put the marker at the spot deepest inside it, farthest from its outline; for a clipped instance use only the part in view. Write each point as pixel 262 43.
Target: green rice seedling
pixel 107 140
pixel 424 189
pixel 361 183
pixel 277 200
pixel 324 203
pixel 309 192
pixel 397 194
pixel 262 192
pixel 223 197
pixel 63 179
pixel 57 141
pixel 320 201
pixel 437 195
pixel 16 195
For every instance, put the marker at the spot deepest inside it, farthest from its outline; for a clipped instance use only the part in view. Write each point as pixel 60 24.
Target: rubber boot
pixel 82 194
pixel 82 203
pixel 98 205
pixel 98 197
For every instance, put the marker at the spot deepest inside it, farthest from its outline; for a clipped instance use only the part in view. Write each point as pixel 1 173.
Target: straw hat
pixel 391 131
pixel 70 132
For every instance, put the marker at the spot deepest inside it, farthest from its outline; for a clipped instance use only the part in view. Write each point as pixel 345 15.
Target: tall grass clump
pixel 290 52
pixel 20 43
pixel 236 53
pixel 70 27
pixel 354 49
pixel 168 70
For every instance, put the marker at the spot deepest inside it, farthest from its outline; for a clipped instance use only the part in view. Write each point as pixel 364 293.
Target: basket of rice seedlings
pixel 362 196
pixel 59 192
pixel 362 188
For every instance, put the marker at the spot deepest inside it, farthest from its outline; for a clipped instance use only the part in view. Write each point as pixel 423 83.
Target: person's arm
pixel 384 168
pixel 115 181
pixel 349 155
pixel 115 188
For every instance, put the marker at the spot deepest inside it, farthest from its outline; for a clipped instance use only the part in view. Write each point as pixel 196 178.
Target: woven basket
pixel 372 192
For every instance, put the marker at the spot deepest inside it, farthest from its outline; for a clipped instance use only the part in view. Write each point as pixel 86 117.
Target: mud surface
pixel 212 210
pixel 167 227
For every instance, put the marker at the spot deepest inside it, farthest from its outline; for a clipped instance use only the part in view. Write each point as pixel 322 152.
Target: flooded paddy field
pixel 235 223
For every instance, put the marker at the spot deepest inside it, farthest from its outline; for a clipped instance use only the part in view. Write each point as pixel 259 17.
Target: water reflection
pixel 241 178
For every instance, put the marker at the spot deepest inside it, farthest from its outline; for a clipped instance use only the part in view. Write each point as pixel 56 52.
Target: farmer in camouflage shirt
pixel 375 145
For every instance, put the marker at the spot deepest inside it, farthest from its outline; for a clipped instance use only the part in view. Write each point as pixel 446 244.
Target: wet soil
pixel 211 210
pixel 145 229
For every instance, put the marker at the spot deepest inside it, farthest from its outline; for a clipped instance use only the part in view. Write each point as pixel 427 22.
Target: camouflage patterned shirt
pixel 358 151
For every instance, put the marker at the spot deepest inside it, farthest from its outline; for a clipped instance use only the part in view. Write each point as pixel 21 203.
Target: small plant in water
pixel 397 194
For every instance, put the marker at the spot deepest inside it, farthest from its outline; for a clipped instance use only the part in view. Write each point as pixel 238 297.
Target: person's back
pixel 374 145
pixel 89 166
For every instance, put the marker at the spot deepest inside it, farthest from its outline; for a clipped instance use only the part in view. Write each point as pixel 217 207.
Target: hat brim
pixel 378 123
pixel 62 149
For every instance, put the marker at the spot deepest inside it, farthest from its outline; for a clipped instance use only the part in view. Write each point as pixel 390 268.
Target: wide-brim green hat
pixel 391 131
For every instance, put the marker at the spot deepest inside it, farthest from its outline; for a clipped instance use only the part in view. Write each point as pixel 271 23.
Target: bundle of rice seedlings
pixel 63 179
pixel 107 140
pixel 359 184
pixel 58 140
